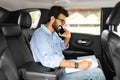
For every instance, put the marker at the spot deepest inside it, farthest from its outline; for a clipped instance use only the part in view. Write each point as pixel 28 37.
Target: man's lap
pixel 90 74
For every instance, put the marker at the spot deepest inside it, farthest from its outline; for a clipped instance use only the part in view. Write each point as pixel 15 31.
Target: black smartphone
pixel 61 31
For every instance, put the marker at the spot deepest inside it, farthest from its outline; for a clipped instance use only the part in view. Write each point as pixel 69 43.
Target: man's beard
pixel 55 27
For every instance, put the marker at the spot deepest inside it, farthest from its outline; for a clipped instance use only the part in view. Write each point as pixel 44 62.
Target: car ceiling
pixel 22 4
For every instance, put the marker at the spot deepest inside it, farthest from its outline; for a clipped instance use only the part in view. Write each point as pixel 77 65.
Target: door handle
pixel 83 42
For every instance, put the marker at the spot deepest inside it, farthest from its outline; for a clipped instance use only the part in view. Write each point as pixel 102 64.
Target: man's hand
pixel 85 64
pixel 66 34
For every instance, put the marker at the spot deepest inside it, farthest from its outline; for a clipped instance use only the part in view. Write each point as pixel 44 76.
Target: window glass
pixel 118 29
pixel 35 15
pixel 84 21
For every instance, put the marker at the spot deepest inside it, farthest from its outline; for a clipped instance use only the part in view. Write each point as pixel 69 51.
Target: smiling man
pixel 47 47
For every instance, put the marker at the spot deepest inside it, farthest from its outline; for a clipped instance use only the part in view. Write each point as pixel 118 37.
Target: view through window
pixel 35 15
pixel 84 21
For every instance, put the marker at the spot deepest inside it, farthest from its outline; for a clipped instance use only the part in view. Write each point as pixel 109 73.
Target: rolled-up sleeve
pixel 63 45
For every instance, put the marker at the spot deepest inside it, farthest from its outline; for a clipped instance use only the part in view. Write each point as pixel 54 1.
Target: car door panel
pixel 82 45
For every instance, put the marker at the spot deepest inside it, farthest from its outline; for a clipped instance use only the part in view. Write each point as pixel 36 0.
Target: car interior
pixel 16 59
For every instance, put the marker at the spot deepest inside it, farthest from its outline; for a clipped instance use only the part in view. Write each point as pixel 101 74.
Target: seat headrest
pixel 11 30
pixel 25 20
pixel 114 17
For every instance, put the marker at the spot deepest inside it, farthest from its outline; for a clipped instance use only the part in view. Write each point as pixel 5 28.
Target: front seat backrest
pixel 107 56
pixel 25 23
pixel 7 64
pixel 113 21
pixel 16 44
pixel 113 39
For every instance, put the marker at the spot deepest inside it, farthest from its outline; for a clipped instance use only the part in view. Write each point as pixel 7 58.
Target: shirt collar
pixel 46 29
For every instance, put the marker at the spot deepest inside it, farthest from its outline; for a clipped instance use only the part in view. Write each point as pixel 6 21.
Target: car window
pixel 118 29
pixel 35 15
pixel 84 21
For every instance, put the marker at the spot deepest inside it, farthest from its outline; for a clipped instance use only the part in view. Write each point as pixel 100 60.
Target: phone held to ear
pixel 61 31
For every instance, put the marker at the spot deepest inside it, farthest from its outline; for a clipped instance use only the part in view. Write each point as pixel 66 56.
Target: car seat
pixel 7 65
pixel 111 42
pixel 21 54
pixel 25 22
pixel 8 69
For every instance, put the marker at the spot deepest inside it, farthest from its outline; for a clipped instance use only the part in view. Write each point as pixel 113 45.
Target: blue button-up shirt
pixel 47 47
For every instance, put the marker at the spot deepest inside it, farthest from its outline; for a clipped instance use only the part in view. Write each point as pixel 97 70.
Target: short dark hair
pixel 56 10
